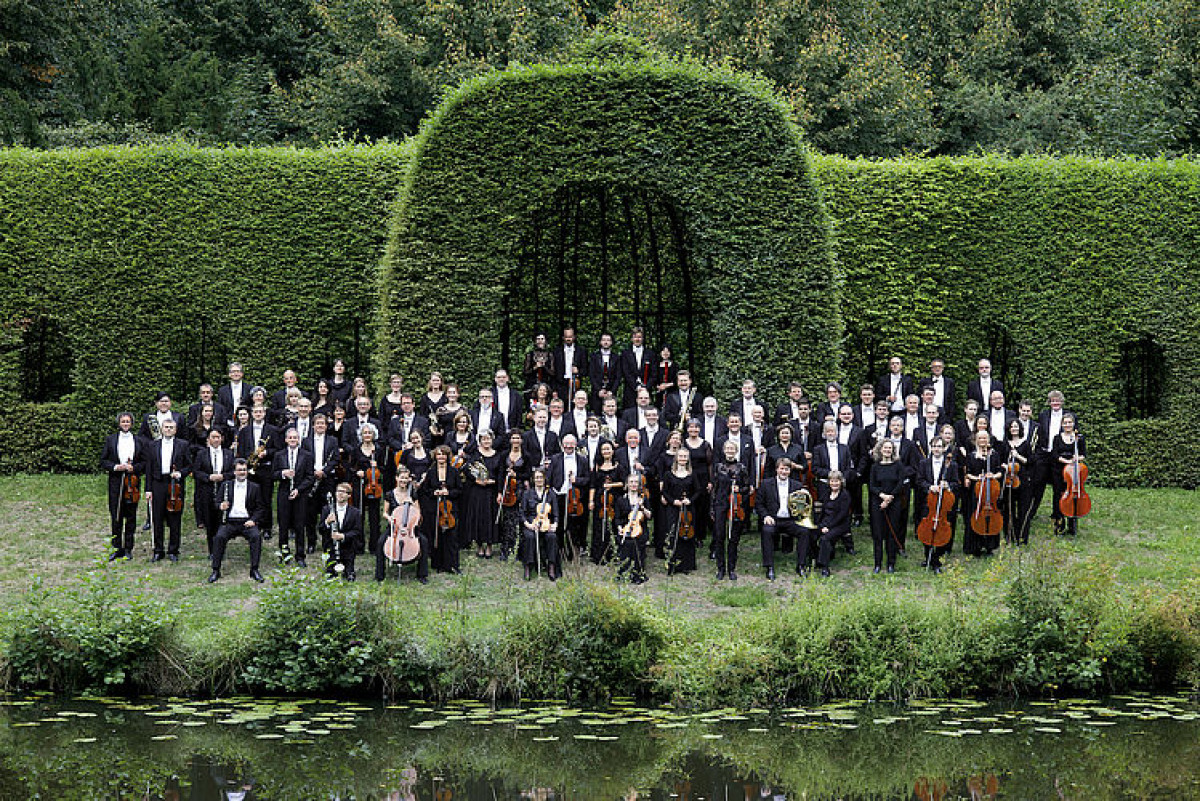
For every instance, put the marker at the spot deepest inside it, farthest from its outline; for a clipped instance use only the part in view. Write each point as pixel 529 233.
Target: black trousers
pixel 631 554
pixel 887 530
pixel 122 514
pixel 344 554
pixel 807 548
pixel 233 528
pixel 726 538
pixel 293 514
pixel 422 560
pixel 787 530
pixel 212 519
pixel 548 547
pixel 172 522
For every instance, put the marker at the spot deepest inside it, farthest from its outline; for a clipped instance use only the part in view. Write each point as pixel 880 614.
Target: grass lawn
pixel 53 527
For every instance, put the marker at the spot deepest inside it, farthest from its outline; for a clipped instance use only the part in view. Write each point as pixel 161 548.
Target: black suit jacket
pixel 645 457
pixel 144 431
pixel 394 435
pixel 738 407
pixel 220 413
pixel 821 465
pixel 656 445
pixel 350 437
pixel 635 374
pixel 745 450
pixel 492 422
pixel 246 444
pixel 109 458
pixel 202 466
pixel 975 391
pixel 304 470
pixel 1009 416
pixel 231 404
pixel 600 379
pixel 516 406
pixel 332 456
pixel 558 471
pixel 180 460
pixel 1044 445
pixel 949 398
pixel 351 525
pixel 766 502
pixel 537 454
pixel 672 409
pixel 255 506
pixel 883 388
pixel 580 363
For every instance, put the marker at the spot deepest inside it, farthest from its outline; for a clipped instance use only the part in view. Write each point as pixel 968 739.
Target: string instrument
pixel 1012 475
pixel 737 504
pixel 131 490
pixel 934 529
pixel 175 496
pixel 446 519
pixel 373 481
pixel 634 527
pixel 399 457
pixel 987 520
pixel 541 521
pixel 687 522
pixel 1075 502
pixel 610 508
pixel 510 490
pixel 402 544
pixel 458 461
pixel 575 502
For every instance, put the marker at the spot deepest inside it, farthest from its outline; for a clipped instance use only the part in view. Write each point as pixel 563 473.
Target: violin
pixel 987 520
pixel 634 527
pixel 1075 502
pixel 1012 476
pixel 737 508
pixel 175 496
pixel 510 490
pixel 446 519
pixel 373 481
pixel 934 529
pixel 541 521
pixel 687 523
pixel 402 544
pixel 131 490
pixel 575 502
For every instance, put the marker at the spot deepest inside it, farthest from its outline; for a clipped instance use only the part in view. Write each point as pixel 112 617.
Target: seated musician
pixel 243 510
pixel 835 520
pixel 532 550
pixel 402 510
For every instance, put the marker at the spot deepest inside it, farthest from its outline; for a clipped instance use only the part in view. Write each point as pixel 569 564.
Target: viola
pixel 575 502
pixel 1012 475
pixel 987 520
pixel 541 520
pixel 402 544
pixel 175 496
pixel 510 490
pixel 131 490
pixel 687 523
pixel 446 519
pixel 373 481
pixel 1075 502
pixel 934 529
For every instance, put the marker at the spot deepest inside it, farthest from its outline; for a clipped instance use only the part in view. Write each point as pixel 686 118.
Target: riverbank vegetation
pixel 1116 609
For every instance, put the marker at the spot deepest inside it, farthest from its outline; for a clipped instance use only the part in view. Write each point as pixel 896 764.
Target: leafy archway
pixel 715 151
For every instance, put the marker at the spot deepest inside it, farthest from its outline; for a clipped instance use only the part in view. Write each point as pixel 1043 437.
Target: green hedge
pixel 143 255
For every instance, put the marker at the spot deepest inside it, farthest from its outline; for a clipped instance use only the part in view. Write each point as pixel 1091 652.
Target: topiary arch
pixel 717 152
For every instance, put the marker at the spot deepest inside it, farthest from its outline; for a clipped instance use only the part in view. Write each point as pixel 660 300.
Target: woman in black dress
pixel 449 412
pixel 415 457
pixel 607 479
pixel 394 511
pixel 367 495
pixel 339 385
pixel 483 495
pixel 665 375
pixel 1068 446
pixel 630 513
pixel 513 479
pixel 679 493
pixel 460 440
pixel 539 510
pixel 441 493
pixel 835 520
pixel 1018 458
pixel 322 399
pixel 887 516
pixel 981 464
pixel 389 404
pixel 435 393
pixel 701 454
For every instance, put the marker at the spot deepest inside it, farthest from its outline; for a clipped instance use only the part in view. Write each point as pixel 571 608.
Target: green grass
pixel 54 527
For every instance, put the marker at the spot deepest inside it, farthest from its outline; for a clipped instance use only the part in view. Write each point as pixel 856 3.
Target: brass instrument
pixel 255 458
pixel 684 410
pixel 800 504
pixel 155 428
pixel 607 433
pixel 434 427
pixel 478 471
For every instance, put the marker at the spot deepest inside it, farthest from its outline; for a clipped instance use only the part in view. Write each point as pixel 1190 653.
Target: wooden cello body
pixel 934 529
pixel 1075 502
pixel 986 520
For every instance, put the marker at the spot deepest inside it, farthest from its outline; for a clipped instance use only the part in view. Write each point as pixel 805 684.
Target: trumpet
pixel 800 504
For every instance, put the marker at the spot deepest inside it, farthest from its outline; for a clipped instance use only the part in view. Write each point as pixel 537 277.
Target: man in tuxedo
pixel 123 459
pixel 303 421
pixel 864 411
pixel 360 417
pixel 401 426
pixel 929 430
pixel 539 442
pixel 341 523
pixel 612 427
pixel 635 366
pixel 999 417
pixel 557 422
pixel 828 408
pixel 604 371
pixel 242 508
pixel 167 463
pixel 207 395
pixel 682 403
pixel 234 394
pixel 895 386
pixel 735 432
pixel 509 402
pixel 744 404
pixel 712 425
pixel 261 438
pixel 578 416
pixel 484 415
pixel 771 506
pixel 279 397
pixel 980 389
pixel 569 470
pixel 326 455
pixel 152 422
pixel 635 416
pixel 571 363
pixel 293 474
pixel 1049 425
pixel 789 410
pixel 831 454
pixel 944 392
pixel 212 467
pixel 654 436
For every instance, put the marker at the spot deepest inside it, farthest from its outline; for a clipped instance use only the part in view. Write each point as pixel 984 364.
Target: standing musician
pixel 322 399
pixel 539 367
pixel 571 365
pixel 604 372
pixel 351 433
pixel 434 396
pixel 887 488
pixel 256 443
pixel 999 417
pixel 482 517
pixel 539 524
pixel 242 511
pixel 279 398
pixel 558 423
pixel 981 465
pixel 612 428
pixel 151 428
pixel 636 367
pixel 401 509
pixel 789 410
pixel 980 389
pixel 937 470
pixel 772 507
pixel 665 374
pixel 441 490
pixel 701 454
pixel 402 425
pixel 654 442
pixel 680 491
pixel 389 404
pixel 212 466
pixel 834 524
pixel 635 416
pixel 683 403
pixel 863 458
pixel 293 473
pixel 540 442
pixel 864 411
pixel 341 531
pixel 366 465
pixel 326 457
pixel 944 392
pixel 1069 449
pixel 123 458
pixel 1018 458
pixel 208 397
pixel 730 510
pixel 339 385
pixel 570 477
pixel 590 443
pixel 303 421
pixel 515 471
pixel 895 386
pixel 235 394
pixel 744 404
pixel 509 402
pixel 785 447
pixel 1049 426
pixel 905 453
pixel 828 408
pixel 631 516
pixel 577 417
pixel 831 455
pixel 485 415
pixel 607 478
pixel 167 467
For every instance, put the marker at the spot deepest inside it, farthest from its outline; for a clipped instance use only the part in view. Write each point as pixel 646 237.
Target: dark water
pixel 1124 747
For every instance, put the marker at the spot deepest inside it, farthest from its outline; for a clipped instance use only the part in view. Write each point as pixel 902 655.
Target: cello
pixel 1075 502
pixel 402 545
pixel 934 529
pixel 986 521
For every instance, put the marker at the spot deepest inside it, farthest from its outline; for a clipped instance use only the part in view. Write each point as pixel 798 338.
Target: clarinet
pixel 229 501
pixel 336 552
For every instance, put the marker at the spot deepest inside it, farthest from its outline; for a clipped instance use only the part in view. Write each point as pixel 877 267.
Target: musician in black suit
pixel 569 471
pixel 999 417
pixel 604 372
pixel 279 396
pixel 864 410
pixel 980 389
pixel 509 400
pixel 1049 426
pixel 539 442
pixel 571 366
pixel 293 473
pixel 895 386
pixel 208 395
pixel 654 436
pixel 212 465
pixel 234 394
pixel 151 428
pixel 167 465
pixel 635 416
pixel 359 417
pixel 241 510
pixel 637 367
pixel 735 432
pixel 326 458
pixel 484 415
pixel 399 429
pixel 683 403
pixel 771 505
pixel 257 442
pixel 123 458
pixel 833 402
pixel 743 405
pixel 929 430
pixel 789 410
pixel 934 472
pixel 341 523
pixel 830 455
pixel 906 455
pixel 944 391
pixel 612 427
pixel 713 427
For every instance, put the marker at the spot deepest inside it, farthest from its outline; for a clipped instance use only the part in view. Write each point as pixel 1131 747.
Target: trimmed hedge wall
pixel 132 250
pixel 721 146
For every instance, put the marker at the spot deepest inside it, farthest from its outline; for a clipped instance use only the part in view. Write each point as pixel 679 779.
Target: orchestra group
pixel 608 455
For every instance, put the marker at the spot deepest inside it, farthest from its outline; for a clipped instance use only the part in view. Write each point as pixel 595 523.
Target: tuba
pixel 800 504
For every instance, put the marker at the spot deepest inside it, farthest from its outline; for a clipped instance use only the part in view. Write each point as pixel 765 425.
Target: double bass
pixel 987 521
pixel 1075 502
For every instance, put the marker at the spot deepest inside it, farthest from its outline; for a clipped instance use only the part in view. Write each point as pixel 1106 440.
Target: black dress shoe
pixel 876 570
pixel 770 574
pixel 254 574
pixel 423 580
pixel 311 548
pixel 216 574
pixel 351 577
pixel 117 554
pixel 733 575
pixel 720 575
pixel 157 557
pixel 891 568
pixel 173 557
pixel 825 572
pixel 301 563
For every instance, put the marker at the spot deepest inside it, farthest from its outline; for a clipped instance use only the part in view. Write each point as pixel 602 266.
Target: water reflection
pixel 242 749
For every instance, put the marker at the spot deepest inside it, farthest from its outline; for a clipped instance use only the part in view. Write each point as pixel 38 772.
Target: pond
pixel 1134 746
